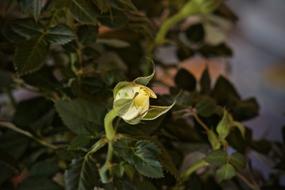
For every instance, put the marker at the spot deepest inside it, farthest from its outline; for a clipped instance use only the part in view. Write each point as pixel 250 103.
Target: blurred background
pixel 258 65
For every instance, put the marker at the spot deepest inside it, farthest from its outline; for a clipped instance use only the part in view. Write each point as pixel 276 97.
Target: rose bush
pixel 87 117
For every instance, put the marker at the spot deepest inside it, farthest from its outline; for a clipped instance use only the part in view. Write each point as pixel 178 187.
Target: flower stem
pixel 108 124
pixel 188 9
pixel 110 135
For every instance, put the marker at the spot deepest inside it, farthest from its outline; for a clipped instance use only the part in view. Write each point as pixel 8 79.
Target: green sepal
pixel 146 79
pixel 156 111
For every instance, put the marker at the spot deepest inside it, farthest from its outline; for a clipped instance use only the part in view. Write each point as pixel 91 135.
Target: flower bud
pixel 131 101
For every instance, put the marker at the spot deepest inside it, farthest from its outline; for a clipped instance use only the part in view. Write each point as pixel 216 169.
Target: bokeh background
pixel 258 66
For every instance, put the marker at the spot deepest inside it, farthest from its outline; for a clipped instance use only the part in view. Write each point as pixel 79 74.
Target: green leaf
pixel 143 155
pixel 240 127
pixel 30 55
pixel 60 34
pixel 45 168
pixel 195 33
pixel 226 172
pixel 39 183
pixel 145 80
pixel 224 126
pixel 205 82
pixel 37 8
pixel 245 109
pixel 5 79
pixel 114 19
pixel 185 80
pixel 83 11
pixel 238 160
pixel 166 160
pixel 82 174
pixel 79 142
pixel 213 139
pixel 33 6
pixel 145 160
pixel 8 166
pixel 81 116
pixel 217 158
pixel 115 43
pixel 13 143
pixel 21 29
pixel 224 91
pixel 87 34
pixel 206 106
pixel 156 111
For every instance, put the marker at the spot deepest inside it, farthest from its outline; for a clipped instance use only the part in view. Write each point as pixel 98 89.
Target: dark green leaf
pixel 237 140
pixel 83 11
pixel 205 82
pixel 217 158
pixel 166 159
pixel 39 183
pixel 87 34
pixel 30 55
pixel 46 168
pixel 206 106
pixel 220 50
pixel 82 174
pixel 21 29
pixel 81 116
pixel 5 79
pixel 143 155
pixel 26 117
pixel 226 172
pixel 13 143
pixel 60 34
pixel 37 7
pixel 79 142
pixel 146 161
pixel 224 91
pixel 195 33
pixel 185 80
pixel 8 166
pixel 184 52
pixel 43 79
pixel 114 18
pixel 246 109
pixel 238 160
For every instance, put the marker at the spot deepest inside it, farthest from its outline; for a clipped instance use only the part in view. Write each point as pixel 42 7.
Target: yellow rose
pixel 132 100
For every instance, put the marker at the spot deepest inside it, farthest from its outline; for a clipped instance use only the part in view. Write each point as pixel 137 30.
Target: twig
pixel 11 126
pixel 197 118
pixel 253 185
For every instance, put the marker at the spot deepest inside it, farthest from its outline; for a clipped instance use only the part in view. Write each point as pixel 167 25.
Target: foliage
pixel 68 55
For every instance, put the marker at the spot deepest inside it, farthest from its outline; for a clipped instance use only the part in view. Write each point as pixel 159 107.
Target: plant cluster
pixel 91 119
